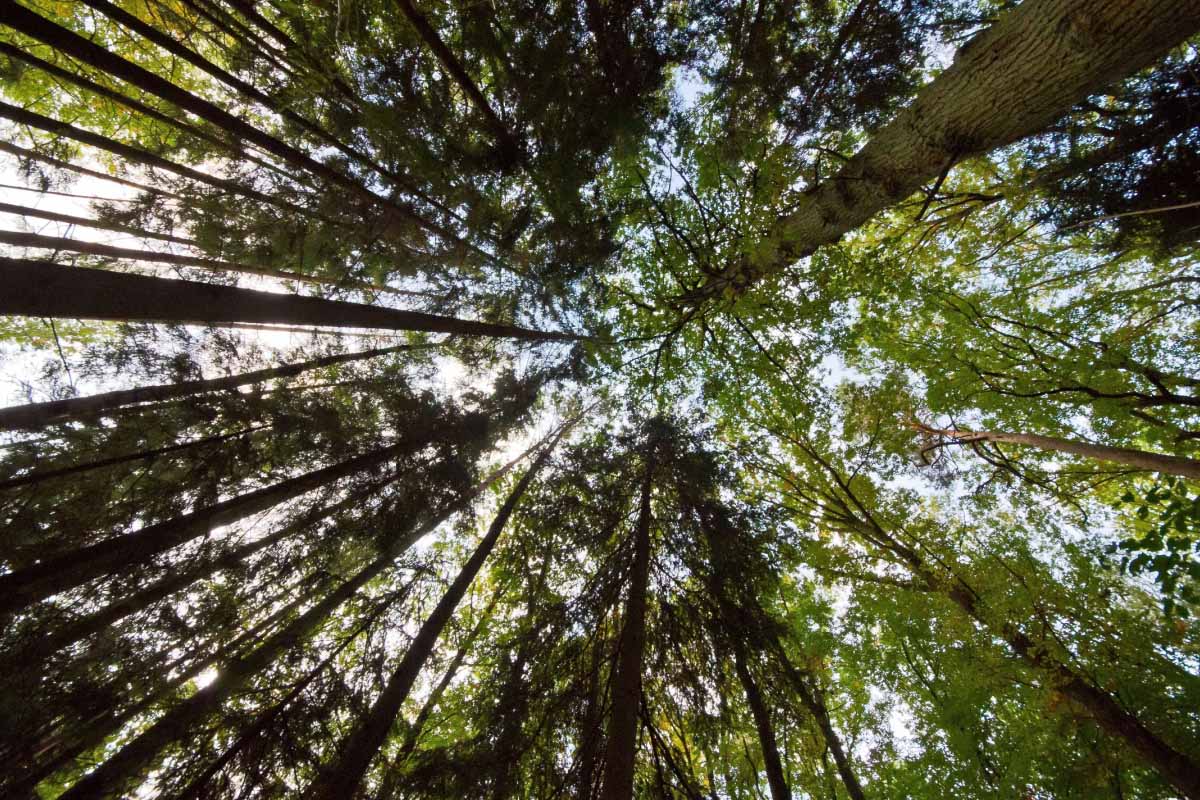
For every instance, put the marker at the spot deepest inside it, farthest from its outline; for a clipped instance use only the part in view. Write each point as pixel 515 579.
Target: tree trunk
pixel 34 155
pixel 620 751
pixel 125 766
pixel 87 222
pixel 510 148
pixel 38 476
pixel 1138 459
pixel 36 415
pixel 341 779
pixel 42 289
pixel 762 723
pixel 815 705
pixel 66 571
pixel 1009 82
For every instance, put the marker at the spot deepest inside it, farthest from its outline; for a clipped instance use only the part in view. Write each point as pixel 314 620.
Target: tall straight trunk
pixel 342 778
pixel 811 698
pixel 590 734
pixel 1009 82
pixel 136 155
pixel 177 580
pixel 43 758
pixel 1138 459
pixel 620 751
pixel 124 767
pixel 509 146
pixel 262 723
pixel 34 155
pixel 37 476
pixel 42 289
pixel 35 415
pixel 86 51
pixel 66 571
pixel 88 222
pixel 59 244
pixel 762 724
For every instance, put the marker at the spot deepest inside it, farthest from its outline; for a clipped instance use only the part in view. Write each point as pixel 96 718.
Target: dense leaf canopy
pixel 619 398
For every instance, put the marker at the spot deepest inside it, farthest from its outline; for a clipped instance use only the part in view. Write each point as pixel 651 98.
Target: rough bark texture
pixel 35 415
pixel 620 752
pixel 1009 82
pixel 40 289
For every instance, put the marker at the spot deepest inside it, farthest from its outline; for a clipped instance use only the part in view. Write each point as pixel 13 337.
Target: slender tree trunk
pixel 510 148
pixel 42 289
pixel 59 244
pixel 34 155
pixel 815 705
pixel 66 571
pixel 1138 459
pixel 263 723
pixel 36 415
pixel 343 777
pixel 178 580
pixel 762 723
pixel 1009 82
pixel 124 767
pixel 88 222
pixel 38 476
pixel 590 733
pixel 620 752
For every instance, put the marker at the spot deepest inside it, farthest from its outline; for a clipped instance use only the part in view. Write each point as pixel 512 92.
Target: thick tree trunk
pixel 68 570
pixel 344 775
pixel 762 723
pixel 1009 82
pixel 36 415
pixel 38 476
pixel 510 148
pixel 1138 459
pixel 113 776
pixel 620 751
pixel 88 222
pixel 40 289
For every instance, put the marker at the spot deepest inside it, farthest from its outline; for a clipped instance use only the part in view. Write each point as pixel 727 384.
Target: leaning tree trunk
pixel 89 222
pixel 40 289
pixel 114 775
pixel 66 571
pixel 36 415
pixel 762 723
pixel 621 748
pixel 1138 459
pixel 342 778
pixel 1009 82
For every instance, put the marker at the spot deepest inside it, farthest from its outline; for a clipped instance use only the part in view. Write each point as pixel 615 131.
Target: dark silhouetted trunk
pixel 34 155
pixel 762 723
pixel 621 748
pixel 41 289
pixel 35 415
pixel 87 222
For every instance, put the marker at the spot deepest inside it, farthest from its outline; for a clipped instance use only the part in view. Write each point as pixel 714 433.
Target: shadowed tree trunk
pixel 762 724
pixel 343 776
pixel 621 748
pixel 88 222
pixel 42 289
pixel 75 568
pixel 1010 81
pixel 34 155
pixel 36 415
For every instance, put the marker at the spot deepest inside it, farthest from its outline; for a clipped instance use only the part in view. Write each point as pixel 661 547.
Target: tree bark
pixel 510 148
pixel 66 571
pixel 762 723
pixel 342 778
pixel 1138 459
pixel 36 415
pixel 42 289
pixel 88 222
pixel 1009 82
pixel 620 751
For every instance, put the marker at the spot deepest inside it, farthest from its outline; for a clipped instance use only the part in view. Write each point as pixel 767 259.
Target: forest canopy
pixel 683 399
